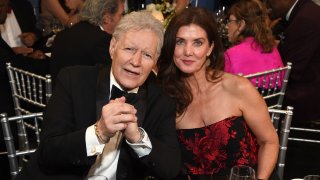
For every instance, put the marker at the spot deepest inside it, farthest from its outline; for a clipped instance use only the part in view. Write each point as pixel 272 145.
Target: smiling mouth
pixel 131 72
pixel 188 62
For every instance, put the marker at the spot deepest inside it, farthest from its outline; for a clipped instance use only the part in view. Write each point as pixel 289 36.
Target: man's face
pixel 278 8
pixel 3 10
pixel 133 56
pixel 114 20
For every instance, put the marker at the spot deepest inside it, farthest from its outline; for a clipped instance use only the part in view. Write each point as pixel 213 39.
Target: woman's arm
pixel 54 7
pixel 257 117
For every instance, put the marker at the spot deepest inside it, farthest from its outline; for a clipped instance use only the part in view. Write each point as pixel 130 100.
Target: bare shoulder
pixel 235 84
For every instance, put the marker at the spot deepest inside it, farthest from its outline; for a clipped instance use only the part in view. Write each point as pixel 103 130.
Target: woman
pixel 222 121
pixel 62 13
pixel 253 45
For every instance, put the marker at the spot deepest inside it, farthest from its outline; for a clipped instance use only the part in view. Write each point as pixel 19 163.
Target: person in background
pixel 6 102
pixel 301 46
pixel 19 30
pixel 221 119
pixel 7 54
pixel 254 48
pixel 94 130
pixel 55 15
pixel 87 42
pixel 212 5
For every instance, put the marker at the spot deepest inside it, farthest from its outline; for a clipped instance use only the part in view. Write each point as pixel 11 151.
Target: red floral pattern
pixel 218 147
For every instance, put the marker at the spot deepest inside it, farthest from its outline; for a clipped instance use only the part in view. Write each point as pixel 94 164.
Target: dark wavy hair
pixel 169 76
pixel 254 13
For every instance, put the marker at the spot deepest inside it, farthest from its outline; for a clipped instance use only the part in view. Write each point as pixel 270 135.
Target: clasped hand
pixel 116 116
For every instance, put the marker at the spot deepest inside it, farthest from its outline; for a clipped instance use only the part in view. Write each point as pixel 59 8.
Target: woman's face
pixel 233 27
pixel 191 49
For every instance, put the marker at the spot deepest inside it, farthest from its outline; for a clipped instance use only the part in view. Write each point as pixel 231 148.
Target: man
pixel 6 102
pixel 7 54
pixel 19 30
pixel 301 46
pixel 87 136
pixel 87 42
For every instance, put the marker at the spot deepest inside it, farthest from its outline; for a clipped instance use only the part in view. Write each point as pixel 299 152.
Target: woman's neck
pixel 198 82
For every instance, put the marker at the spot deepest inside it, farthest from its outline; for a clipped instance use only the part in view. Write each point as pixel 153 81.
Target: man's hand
pixel 37 54
pixel 118 116
pixel 28 38
pixel 22 50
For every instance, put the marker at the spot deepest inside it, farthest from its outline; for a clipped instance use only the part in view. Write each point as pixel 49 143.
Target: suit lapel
pixel 296 9
pixel 141 105
pixel 102 90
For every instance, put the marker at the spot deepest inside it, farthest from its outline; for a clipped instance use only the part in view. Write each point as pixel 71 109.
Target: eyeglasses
pixel 230 20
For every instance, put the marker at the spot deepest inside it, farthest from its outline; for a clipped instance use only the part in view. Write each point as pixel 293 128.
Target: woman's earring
pixel 208 60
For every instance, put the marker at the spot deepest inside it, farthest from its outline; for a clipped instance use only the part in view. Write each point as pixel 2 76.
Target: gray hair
pixel 140 20
pixel 93 11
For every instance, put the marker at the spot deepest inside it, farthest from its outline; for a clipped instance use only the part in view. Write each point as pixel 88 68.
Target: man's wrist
pixel 142 134
pixel 97 132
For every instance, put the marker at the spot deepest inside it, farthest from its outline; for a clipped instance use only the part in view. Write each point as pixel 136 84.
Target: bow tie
pixel 131 98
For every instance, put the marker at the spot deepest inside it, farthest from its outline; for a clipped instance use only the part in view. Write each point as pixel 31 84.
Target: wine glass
pixel 56 26
pixel 312 177
pixel 242 173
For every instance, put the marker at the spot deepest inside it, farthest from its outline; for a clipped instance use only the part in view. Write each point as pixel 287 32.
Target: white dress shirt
pixel 106 163
pixel 10 31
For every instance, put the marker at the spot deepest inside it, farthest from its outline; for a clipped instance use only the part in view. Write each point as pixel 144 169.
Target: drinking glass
pixel 242 173
pixel 312 177
pixel 56 26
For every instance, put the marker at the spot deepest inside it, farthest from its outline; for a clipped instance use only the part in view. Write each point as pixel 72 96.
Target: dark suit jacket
pixel 302 47
pixel 6 55
pixel 82 44
pixel 76 104
pixel 23 10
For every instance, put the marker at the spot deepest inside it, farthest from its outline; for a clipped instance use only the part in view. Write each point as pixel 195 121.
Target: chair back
pixel 30 93
pixel 306 135
pixel 272 84
pixel 28 87
pixel 284 118
pixel 17 157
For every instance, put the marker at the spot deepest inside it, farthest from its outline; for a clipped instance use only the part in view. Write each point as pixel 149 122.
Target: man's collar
pixel 101 27
pixel 114 82
pixel 290 10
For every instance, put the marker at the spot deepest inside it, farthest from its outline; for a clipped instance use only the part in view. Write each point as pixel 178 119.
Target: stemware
pixel 56 26
pixel 242 173
pixel 312 177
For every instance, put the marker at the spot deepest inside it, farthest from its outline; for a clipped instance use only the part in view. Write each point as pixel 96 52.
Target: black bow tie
pixel 131 98
pixel 116 92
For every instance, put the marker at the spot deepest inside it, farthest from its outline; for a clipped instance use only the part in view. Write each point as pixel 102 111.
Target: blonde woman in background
pixel 62 13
